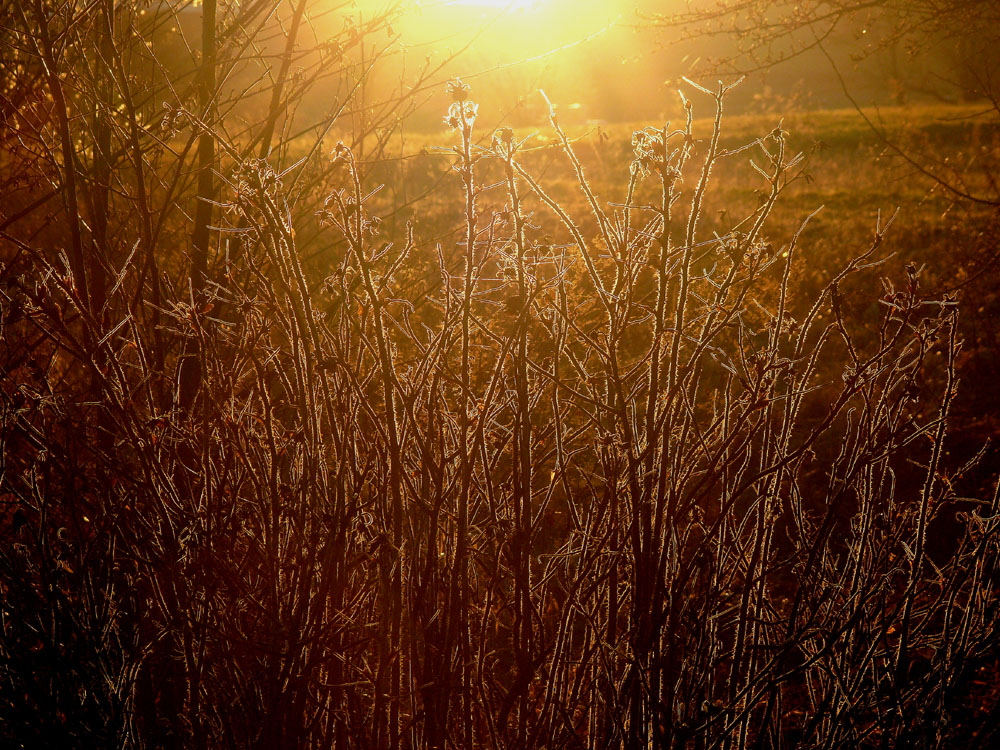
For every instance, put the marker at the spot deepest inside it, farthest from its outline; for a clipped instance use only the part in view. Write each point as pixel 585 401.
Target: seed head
pixel 458 91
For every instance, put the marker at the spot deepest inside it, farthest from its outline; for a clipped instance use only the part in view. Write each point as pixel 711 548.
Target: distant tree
pixel 948 50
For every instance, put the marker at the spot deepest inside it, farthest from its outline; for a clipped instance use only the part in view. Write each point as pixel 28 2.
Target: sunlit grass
pixel 824 127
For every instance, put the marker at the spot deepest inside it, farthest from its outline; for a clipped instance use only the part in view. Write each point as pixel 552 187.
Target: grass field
pixel 851 172
pixel 856 171
pixel 849 169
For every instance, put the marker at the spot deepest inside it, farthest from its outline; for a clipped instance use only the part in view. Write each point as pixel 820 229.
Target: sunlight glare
pixel 498 4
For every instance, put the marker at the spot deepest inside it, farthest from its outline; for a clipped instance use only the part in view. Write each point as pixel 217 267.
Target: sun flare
pixel 498 4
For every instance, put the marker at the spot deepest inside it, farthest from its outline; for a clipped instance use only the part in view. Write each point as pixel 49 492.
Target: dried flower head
pixel 458 91
pixel 649 150
pixel 461 115
pixel 503 141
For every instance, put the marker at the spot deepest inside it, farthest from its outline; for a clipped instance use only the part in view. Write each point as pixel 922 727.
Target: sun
pixel 503 33
pixel 497 4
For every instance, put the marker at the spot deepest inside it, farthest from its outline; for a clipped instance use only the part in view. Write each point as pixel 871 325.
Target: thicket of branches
pixel 925 49
pixel 276 476
pixel 767 33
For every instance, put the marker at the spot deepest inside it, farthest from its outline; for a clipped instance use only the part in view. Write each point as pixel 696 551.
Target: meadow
pixel 850 172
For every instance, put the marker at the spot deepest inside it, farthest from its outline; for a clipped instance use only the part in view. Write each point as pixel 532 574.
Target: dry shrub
pixel 613 482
